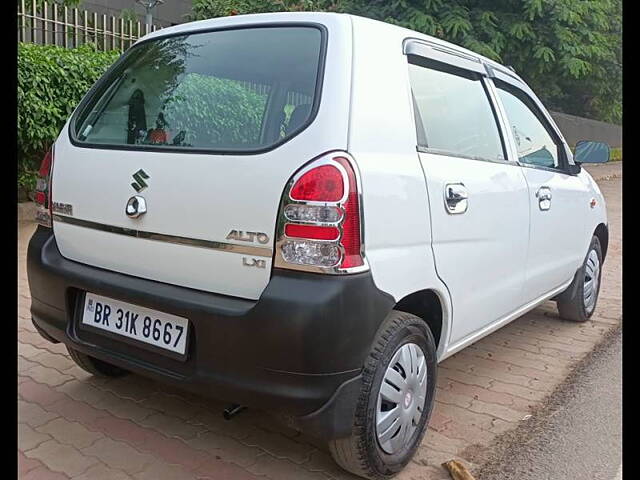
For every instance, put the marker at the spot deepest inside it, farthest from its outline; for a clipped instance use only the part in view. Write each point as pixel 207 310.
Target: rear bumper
pixel 297 351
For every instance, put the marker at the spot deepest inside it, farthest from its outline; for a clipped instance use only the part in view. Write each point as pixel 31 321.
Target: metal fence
pixel 51 24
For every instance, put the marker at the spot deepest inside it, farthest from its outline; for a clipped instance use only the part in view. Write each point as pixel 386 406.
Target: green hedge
pixel 51 82
pixel 616 154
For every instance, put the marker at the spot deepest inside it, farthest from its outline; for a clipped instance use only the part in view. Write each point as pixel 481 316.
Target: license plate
pixel 159 329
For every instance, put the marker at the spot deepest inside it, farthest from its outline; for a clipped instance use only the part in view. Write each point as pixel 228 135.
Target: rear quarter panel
pixel 382 139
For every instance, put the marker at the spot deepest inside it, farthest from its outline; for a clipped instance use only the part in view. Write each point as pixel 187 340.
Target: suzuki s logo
pixel 140 176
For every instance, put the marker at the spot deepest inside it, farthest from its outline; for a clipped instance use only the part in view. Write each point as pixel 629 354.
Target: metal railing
pixel 48 23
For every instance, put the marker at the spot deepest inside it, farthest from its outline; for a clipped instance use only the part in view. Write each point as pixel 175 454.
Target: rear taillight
pixel 43 191
pixel 319 225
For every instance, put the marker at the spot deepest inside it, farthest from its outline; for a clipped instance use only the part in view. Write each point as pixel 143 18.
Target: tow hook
pixel 233 410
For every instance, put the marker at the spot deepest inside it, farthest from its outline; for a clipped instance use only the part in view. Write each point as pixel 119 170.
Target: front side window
pixel 229 90
pixel 535 144
pixel 454 114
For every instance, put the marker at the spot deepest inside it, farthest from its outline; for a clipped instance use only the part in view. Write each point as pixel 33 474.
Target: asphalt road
pixel 578 435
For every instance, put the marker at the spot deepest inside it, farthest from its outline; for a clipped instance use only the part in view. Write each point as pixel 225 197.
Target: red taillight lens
pixel 311 232
pixel 322 184
pixel 351 224
pixel 45 165
pixel 321 217
pixel 43 191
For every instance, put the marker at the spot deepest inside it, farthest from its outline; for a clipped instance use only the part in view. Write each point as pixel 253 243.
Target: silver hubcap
pixel 591 280
pixel 401 399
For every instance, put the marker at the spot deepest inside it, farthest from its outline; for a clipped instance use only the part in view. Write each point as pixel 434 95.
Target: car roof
pixel 317 17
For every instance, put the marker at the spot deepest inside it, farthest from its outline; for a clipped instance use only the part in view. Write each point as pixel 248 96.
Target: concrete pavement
pixel 72 425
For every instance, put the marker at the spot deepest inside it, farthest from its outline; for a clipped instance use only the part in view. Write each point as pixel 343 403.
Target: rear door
pixel 558 200
pixel 206 128
pixel 478 198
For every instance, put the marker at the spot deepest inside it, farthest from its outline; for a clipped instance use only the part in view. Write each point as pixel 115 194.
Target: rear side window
pixel 230 90
pixel 454 115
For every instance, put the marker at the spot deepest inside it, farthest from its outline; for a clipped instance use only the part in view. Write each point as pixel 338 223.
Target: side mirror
pixel 591 152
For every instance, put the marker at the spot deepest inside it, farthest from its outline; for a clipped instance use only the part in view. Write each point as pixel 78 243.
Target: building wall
pixel 578 128
pixel 171 12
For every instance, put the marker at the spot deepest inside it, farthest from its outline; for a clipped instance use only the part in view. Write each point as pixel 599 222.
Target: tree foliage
pixel 51 82
pixel 569 51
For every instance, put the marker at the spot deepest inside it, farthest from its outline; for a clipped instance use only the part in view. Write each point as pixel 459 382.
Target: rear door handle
pixel 544 198
pixel 456 198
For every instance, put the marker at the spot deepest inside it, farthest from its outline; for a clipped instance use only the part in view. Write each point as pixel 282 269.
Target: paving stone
pixel 25 464
pixel 77 411
pixel 450 398
pixel 226 448
pixel 443 442
pixel 25 365
pixel 175 451
pixel 123 408
pixel 468 433
pixel 323 462
pixel 518 391
pixel 279 446
pixel 48 376
pixel 278 469
pixel 70 433
pixel 171 405
pixel 101 471
pixel 499 411
pixel 216 423
pixel 29 438
pixel 53 360
pixel 161 471
pixel 33 414
pixel 172 426
pixel 132 387
pixel 82 391
pixel 214 469
pixel 43 473
pixel 119 455
pixel 76 372
pixel 61 458
pixel 38 393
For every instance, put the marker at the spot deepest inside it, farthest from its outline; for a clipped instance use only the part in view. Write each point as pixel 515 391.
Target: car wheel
pixel 395 403
pixel 94 366
pixel 579 301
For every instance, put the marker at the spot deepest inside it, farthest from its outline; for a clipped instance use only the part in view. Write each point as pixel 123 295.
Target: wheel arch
pixel 602 232
pixel 428 305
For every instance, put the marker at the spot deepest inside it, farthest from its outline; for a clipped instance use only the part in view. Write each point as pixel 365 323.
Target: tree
pixel 569 51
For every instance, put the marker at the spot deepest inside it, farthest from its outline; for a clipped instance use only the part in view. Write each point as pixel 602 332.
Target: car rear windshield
pixel 240 90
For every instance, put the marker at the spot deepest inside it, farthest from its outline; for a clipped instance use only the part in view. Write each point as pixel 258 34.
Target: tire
pixel 576 303
pixel 362 453
pixel 94 366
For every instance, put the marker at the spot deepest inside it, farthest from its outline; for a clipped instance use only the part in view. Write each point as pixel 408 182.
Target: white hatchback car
pixel 304 213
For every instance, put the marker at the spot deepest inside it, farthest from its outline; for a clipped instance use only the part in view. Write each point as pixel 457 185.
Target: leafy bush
pixel 616 155
pixel 51 82
pixel 216 111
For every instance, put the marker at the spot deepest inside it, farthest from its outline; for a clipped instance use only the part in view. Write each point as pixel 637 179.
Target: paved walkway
pixel 72 425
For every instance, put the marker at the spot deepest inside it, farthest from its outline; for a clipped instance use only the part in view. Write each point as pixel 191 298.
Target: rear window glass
pixel 231 90
pixel 454 115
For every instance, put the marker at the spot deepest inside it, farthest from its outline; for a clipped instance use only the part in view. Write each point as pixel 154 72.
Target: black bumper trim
pixel 297 351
